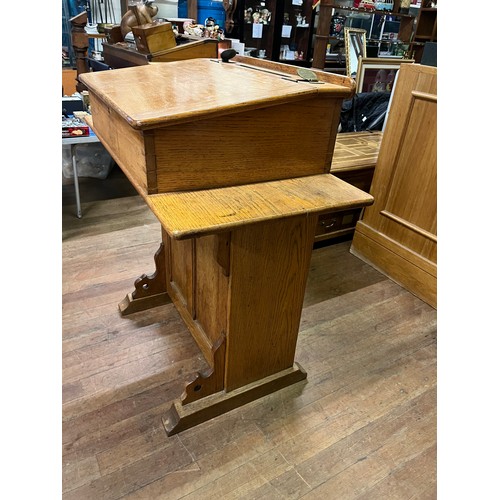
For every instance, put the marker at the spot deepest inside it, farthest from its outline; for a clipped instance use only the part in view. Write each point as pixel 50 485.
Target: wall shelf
pixel 404 29
pixel 425 31
pixel 288 32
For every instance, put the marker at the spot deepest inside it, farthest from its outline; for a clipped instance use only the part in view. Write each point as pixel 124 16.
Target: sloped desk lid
pixel 162 94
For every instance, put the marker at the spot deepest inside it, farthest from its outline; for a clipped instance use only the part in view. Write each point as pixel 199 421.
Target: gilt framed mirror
pixel 355 47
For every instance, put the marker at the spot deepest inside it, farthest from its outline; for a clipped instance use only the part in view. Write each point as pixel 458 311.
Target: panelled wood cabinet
pixel 398 233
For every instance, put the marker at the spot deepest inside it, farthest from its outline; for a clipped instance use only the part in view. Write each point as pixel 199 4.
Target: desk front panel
pixel 273 143
pixel 265 144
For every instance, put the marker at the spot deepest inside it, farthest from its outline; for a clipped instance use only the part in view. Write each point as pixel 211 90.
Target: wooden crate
pixel 152 38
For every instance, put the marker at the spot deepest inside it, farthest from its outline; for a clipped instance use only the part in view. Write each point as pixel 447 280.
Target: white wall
pixel 167 8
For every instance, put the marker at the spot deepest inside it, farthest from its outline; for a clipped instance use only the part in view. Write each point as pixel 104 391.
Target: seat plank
pixel 194 213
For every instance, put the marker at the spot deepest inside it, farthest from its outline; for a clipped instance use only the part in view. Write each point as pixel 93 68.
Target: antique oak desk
pixel 233 158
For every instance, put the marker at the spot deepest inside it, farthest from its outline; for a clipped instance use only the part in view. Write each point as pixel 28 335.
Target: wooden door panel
pixel 410 210
pixel 398 233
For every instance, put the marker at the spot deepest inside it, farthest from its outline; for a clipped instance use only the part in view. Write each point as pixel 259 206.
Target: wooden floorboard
pixel 362 426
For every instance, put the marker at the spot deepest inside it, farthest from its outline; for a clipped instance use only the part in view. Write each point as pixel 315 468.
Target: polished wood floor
pixel 363 424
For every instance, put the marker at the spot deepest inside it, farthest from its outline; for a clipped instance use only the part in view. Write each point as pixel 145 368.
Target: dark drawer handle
pixel 328 226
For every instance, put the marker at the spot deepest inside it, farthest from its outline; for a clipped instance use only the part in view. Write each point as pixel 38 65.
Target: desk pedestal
pixel 234 261
pixel 240 293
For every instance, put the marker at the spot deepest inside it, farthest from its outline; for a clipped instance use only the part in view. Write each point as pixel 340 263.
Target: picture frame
pixel 377 74
pixel 355 47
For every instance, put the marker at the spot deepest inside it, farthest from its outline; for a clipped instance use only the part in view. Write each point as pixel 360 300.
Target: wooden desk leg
pixel 259 309
pixel 150 291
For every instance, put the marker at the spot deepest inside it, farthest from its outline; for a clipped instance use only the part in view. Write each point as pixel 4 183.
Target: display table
pixel 356 151
pixel 234 160
pixel 73 142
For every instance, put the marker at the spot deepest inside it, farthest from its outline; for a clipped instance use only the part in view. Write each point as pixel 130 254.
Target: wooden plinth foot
pixel 130 305
pixel 181 417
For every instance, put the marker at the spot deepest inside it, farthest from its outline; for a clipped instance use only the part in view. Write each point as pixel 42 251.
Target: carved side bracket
pixel 150 291
pixel 210 381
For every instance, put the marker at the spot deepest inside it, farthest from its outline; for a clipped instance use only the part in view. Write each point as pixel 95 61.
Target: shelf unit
pixel 384 29
pixel 68 60
pixel 285 36
pixel 425 31
pixel 295 46
pixel 261 35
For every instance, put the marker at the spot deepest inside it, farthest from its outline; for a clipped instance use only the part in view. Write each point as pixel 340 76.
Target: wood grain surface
pixel 269 268
pixel 194 213
pixel 356 151
pixel 398 233
pixel 164 94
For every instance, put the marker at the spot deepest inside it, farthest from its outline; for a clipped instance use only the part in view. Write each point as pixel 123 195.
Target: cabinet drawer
pixel 338 221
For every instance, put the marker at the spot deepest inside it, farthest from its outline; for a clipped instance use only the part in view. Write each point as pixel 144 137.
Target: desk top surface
pixel 356 150
pixel 167 93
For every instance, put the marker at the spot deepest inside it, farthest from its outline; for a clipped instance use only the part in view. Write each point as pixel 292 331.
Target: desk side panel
pixel 199 288
pixel 278 142
pixel 132 149
pixel 269 268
